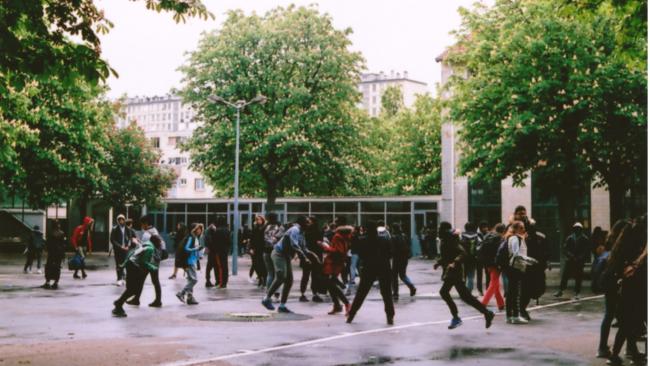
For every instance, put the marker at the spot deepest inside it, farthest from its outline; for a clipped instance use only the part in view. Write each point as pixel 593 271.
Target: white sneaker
pixel 41 272
pixel 118 283
pixel 519 320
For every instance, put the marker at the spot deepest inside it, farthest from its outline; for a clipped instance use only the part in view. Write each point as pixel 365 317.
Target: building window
pixel 199 185
pixel 155 142
pixel 183 182
pixel 485 203
pixel 374 87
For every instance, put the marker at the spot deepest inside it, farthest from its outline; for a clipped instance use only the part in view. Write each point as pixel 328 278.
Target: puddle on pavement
pixel 456 353
pixel 380 360
pixel 248 317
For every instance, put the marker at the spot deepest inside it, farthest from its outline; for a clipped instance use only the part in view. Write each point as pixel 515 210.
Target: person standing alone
pixel 121 237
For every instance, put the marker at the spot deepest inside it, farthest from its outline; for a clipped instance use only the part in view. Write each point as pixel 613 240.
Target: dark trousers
pixel 120 257
pixel 335 291
pixel 31 255
pixel 464 294
pixel 399 270
pixel 212 265
pixel 368 276
pixel 611 303
pixel 259 267
pixel 134 281
pixel 155 281
pixel 222 268
pixel 575 270
pixel 53 269
pixel 479 277
pixel 314 270
pixel 514 292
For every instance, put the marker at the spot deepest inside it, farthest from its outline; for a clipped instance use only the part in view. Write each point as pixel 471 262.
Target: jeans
pixel 190 271
pixel 464 294
pixel 611 302
pixel 399 270
pixel 270 269
pixel 354 267
pixel 283 276
pixel 513 300
pixel 470 272
pixel 493 288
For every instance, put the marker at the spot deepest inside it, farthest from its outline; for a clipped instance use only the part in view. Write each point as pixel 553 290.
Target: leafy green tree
pixel 52 112
pixel 131 169
pixel 392 101
pixel 531 94
pixel 304 139
pixel 415 149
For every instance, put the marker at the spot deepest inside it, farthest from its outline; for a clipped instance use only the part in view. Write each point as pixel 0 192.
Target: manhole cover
pixel 248 317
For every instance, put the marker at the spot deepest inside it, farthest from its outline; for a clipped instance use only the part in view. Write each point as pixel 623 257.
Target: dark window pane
pixel 398 206
pixel 217 207
pixel 196 207
pixel 242 207
pixel 323 219
pixel 426 205
pixel 257 207
pixel 322 207
pixel 366 219
pixel 297 206
pixel 403 220
pixel 196 219
pixel 350 219
pixel 346 207
pixel 372 207
pixel 175 207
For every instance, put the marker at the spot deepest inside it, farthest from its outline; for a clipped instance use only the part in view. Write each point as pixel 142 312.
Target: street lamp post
pixel 238 105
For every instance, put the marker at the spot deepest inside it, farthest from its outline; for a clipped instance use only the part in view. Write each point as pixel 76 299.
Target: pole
pixel 235 237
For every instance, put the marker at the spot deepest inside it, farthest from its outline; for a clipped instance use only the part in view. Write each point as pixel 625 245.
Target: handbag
pixel 522 262
pixel 75 262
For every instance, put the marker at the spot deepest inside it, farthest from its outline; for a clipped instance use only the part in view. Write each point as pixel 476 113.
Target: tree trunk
pixel 567 203
pixel 271 193
pixel 616 200
pixel 83 209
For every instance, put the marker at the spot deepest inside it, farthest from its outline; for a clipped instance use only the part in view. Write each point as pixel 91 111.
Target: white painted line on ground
pixel 363 332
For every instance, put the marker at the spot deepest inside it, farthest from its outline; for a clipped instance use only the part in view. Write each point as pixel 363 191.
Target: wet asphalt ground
pixel 73 325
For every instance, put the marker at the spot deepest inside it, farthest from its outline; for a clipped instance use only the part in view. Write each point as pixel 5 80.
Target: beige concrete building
pixel 373 85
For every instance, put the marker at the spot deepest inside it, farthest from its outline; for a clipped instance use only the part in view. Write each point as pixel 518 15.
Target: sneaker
pixel 208 284
pixel 76 277
pixel 615 360
pixel 413 291
pixel 519 320
pixel 558 294
pixel 524 314
pixel 83 276
pixel 268 304
pixel 576 297
pixel 347 309
pixel 181 297
pixel 284 309
pixel 39 271
pixel 604 353
pixel 455 323
pixel 223 286
pixel 488 319
pixel 317 298
pixel 46 286
pixel 303 298
pixel 133 302
pixel 191 300
pixel 118 283
pixel 335 310
pixel 54 286
pixel 156 304
pixel 119 313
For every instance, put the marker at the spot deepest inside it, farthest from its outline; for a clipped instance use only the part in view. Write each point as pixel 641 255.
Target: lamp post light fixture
pixel 238 105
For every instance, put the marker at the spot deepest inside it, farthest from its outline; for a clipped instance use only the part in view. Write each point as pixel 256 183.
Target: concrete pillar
pixel 447 166
pixel 461 202
pixel 512 197
pixel 600 208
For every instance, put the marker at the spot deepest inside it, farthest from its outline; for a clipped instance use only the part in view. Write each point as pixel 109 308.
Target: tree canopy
pixel 537 92
pixel 303 140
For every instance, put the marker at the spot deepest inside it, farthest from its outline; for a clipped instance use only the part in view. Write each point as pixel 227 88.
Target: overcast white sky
pixel 146 47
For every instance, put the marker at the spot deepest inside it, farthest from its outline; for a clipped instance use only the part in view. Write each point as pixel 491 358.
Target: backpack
pixel 502 259
pixel 487 250
pixel 471 245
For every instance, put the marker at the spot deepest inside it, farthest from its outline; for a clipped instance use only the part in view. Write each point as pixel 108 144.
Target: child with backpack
pixel 516 246
pixel 192 248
